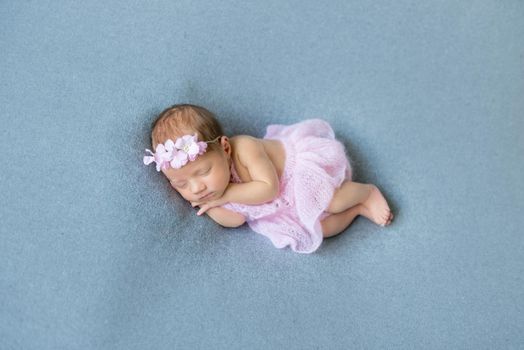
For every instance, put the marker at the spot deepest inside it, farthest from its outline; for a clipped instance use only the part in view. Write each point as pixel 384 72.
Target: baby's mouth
pixel 207 196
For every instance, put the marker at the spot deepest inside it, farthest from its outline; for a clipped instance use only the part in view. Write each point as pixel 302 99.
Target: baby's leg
pixel 354 193
pixel 336 223
pixel 348 195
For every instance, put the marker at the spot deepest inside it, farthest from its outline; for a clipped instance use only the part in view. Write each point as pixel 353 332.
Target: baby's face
pixel 202 180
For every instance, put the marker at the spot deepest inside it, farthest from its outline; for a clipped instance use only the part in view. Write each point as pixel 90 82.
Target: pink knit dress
pixel 316 164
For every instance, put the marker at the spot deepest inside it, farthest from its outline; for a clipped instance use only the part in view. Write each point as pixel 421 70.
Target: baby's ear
pixel 226 146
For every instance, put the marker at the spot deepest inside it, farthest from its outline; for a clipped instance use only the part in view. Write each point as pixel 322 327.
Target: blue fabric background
pixel 96 252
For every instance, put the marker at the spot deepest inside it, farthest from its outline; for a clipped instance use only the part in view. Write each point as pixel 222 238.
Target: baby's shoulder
pixel 243 139
pixel 244 143
pixel 246 147
pixel 248 150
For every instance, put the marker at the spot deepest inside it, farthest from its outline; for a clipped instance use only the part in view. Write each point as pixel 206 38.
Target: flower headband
pixel 177 154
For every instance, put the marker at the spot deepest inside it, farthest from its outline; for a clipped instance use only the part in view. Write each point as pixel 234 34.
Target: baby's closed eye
pixel 205 172
pixel 178 184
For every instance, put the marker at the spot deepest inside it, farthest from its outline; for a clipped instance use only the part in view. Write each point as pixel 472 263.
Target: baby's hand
pixel 205 206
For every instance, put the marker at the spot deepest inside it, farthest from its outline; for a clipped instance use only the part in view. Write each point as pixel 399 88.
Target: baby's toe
pixel 390 219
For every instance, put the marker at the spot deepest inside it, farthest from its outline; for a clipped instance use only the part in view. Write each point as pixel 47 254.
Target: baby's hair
pixel 184 119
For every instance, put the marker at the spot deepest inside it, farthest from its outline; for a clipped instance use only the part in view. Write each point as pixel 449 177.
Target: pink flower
pixel 189 145
pixel 176 154
pixel 161 157
pixel 179 159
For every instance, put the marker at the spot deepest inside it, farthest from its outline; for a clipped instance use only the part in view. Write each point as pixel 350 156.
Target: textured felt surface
pixel 97 253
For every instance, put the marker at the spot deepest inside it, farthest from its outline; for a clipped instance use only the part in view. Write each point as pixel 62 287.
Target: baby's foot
pixel 376 209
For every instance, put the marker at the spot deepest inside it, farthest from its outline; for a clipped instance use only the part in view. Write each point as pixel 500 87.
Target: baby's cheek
pixel 184 195
pixel 176 190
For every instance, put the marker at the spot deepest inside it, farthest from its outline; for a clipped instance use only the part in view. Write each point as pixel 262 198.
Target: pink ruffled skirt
pixel 316 164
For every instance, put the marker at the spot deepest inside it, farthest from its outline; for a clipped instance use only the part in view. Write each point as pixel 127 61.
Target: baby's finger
pixel 202 210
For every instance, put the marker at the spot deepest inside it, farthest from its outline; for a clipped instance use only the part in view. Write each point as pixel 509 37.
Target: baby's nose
pixel 197 187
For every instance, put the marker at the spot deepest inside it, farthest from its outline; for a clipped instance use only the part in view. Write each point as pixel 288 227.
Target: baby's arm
pixel 225 217
pixel 264 186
